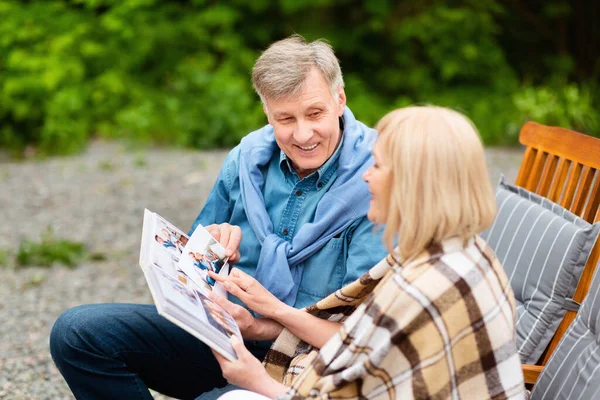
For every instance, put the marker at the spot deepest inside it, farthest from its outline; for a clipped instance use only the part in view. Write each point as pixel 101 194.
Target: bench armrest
pixel 531 372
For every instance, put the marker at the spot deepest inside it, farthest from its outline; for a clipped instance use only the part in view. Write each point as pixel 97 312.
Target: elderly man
pixel 292 190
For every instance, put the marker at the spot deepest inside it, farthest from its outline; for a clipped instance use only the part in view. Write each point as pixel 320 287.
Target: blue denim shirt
pixel 291 202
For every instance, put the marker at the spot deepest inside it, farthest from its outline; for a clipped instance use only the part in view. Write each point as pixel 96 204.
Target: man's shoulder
pixel 363 131
pixel 232 161
pixel 366 128
pixel 247 142
pixel 229 168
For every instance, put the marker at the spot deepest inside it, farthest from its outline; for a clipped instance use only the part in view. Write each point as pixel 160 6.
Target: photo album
pixel 175 267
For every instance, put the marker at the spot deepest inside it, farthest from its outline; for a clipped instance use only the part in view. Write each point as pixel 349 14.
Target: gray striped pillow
pixel 543 248
pixel 573 371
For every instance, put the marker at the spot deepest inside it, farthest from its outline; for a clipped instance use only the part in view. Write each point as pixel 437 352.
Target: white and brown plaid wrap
pixel 441 326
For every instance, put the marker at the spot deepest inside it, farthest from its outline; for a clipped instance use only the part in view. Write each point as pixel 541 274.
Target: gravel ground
pixel 97 198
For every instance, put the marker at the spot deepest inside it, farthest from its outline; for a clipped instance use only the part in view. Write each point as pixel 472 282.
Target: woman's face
pixel 378 178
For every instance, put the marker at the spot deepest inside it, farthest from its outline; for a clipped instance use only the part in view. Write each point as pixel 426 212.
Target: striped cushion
pixel 543 249
pixel 573 371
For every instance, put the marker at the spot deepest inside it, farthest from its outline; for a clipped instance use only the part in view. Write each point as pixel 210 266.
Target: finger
pixel 223 302
pixel 234 258
pixel 240 349
pixel 241 282
pixel 224 278
pixel 225 232
pixel 214 231
pixel 236 291
pixel 238 345
pixel 235 238
pixel 238 273
pixel 217 277
pixel 220 359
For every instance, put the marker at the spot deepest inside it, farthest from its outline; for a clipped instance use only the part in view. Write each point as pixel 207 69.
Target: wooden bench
pixel 562 166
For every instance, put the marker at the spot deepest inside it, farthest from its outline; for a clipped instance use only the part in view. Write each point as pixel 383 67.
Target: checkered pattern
pixel 440 326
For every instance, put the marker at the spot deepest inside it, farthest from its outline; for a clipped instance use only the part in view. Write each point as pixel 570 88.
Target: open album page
pixel 175 267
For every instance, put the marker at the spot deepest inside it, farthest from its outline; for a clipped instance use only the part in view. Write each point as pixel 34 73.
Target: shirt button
pixel 285 231
pixel 298 192
pixel 320 185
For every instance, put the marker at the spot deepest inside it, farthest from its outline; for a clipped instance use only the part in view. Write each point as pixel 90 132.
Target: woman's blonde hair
pixel 439 183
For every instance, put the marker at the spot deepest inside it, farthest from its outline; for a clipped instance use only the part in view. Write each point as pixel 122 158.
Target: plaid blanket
pixel 440 326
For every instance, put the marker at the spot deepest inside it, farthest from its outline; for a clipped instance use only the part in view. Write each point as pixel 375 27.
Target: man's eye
pixel 315 114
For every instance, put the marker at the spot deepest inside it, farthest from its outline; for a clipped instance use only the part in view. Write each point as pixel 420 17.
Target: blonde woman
pixel 434 319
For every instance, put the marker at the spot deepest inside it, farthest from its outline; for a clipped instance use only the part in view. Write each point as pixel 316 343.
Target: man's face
pixel 307 125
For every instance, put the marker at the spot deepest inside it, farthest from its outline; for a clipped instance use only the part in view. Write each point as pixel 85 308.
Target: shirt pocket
pixel 324 272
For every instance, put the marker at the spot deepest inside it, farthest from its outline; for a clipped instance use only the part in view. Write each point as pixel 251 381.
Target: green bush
pixel 569 106
pixel 139 70
pixel 178 72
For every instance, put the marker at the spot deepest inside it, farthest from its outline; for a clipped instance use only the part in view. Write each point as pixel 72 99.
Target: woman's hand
pixel 251 293
pixel 312 330
pixel 247 372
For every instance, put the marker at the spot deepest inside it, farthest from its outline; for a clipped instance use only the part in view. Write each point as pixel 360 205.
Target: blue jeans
pixel 120 350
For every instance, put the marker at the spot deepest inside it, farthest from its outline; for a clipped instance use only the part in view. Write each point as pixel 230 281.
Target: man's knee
pixel 73 331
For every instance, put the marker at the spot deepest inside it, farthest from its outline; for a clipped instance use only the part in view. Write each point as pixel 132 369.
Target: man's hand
pixel 247 372
pixel 251 293
pixel 245 321
pixel 230 237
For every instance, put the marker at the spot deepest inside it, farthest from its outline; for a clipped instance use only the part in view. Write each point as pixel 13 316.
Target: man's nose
pixel 303 132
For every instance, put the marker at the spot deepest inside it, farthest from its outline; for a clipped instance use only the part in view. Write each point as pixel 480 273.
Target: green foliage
pixel 139 70
pixel 569 106
pixel 140 161
pixel 106 165
pixel 50 250
pixel 3 258
pixel 178 72
pixel 35 280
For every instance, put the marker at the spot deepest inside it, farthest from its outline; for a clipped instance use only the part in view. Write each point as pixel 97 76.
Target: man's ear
pixel 341 99
pixel 266 111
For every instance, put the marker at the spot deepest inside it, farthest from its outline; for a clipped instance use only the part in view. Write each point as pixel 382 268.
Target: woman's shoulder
pixel 458 263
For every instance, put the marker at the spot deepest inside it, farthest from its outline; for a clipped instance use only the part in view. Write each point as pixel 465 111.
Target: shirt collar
pixel 324 173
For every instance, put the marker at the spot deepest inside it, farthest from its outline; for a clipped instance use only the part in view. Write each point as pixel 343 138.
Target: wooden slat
pixel 588 272
pixel 560 331
pixel 571 185
pixel 583 190
pixel 538 166
pixel 526 166
pixel 558 183
pixel 531 372
pixel 592 206
pixel 547 175
pixel 562 142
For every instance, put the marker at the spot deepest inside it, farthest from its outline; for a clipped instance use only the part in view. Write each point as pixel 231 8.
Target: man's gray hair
pixel 281 69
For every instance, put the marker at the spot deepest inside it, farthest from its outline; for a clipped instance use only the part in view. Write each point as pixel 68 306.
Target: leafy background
pixel 178 72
